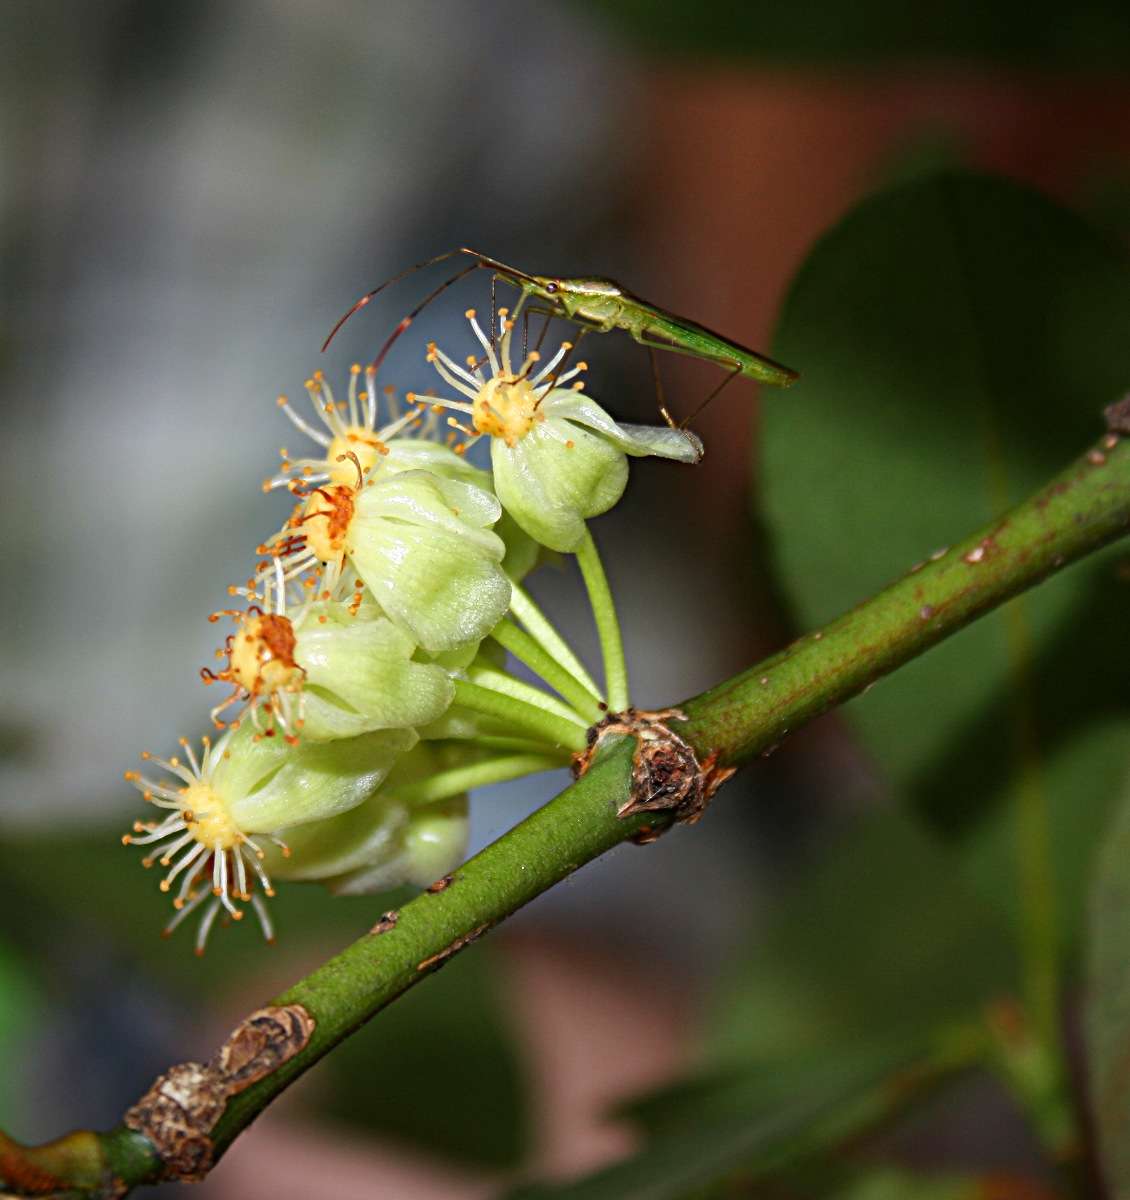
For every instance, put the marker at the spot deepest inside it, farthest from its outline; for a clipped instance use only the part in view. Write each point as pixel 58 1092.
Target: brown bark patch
pixel 666 773
pixel 1118 415
pixel 387 922
pixel 437 960
pixel 181 1109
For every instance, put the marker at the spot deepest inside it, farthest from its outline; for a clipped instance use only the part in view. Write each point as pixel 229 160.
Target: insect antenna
pixel 406 321
pixel 482 260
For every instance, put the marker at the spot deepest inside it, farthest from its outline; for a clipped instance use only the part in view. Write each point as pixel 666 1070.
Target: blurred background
pixel 191 192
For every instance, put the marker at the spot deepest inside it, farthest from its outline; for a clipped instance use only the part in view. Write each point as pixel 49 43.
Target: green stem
pixel 499 681
pixel 527 651
pixel 548 726
pixel 607 625
pixel 1079 511
pixel 466 779
pixel 538 626
pixel 511 745
pixel 1083 509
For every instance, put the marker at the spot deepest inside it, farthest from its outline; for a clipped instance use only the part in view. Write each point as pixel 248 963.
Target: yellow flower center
pixel 357 442
pixel 262 655
pixel 206 818
pixel 326 517
pixel 506 407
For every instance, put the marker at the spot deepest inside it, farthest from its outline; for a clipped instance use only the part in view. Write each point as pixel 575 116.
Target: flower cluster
pixel 367 658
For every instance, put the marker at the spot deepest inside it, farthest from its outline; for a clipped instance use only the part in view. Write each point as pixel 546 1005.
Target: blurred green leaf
pixel 440 1070
pixel 695 1150
pixel 892 1183
pixel 19 1004
pixel 408 1075
pixel 1107 1014
pixel 958 338
pixel 881 946
pixel 92 884
pixel 880 938
pixel 1091 31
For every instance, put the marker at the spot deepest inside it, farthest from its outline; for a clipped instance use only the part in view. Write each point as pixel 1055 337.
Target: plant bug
pixel 597 305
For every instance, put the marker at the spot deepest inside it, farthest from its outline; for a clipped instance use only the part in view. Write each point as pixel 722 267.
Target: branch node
pixel 181 1109
pixel 666 773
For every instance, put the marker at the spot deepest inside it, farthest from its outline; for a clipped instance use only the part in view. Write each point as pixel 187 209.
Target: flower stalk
pixel 607 624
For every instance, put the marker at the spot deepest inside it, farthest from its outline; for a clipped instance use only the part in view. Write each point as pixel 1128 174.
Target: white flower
pixel 223 808
pixel 329 670
pixel 558 458
pixel 389 840
pixel 358 436
pixel 420 542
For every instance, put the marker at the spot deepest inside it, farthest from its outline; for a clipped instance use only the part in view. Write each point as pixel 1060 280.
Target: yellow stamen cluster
pixel 219 865
pixel 506 404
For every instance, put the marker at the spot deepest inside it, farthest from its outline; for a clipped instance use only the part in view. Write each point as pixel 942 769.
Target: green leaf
pixel 893 1183
pixel 1107 1014
pixel 958 338
pixel 407 1075
pixel 691 1155
pixel 844 994
pixel 440 1070
pixel 881 938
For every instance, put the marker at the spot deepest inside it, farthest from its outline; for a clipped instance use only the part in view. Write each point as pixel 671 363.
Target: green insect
pixel 599 306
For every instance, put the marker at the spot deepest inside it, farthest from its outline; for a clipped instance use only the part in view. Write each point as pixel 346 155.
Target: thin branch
pixel 1080 511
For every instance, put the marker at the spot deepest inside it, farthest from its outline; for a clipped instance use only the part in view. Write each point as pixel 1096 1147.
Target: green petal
pixel 433 845
pixel 383 842
pixel 432 501
pixel 369 834
pixel 313 780
pixel 550 486
pixel 421 545
pixel 415 454
pixel 659 441
pixel 360 676
pixel 442 588
pixel 522 551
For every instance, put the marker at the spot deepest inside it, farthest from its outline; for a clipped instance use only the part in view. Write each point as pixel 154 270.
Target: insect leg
pixel 732 375
pixel 526 329
pixel 661 400
pixel 656 341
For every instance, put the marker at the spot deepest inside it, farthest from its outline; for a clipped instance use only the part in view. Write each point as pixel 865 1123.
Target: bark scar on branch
pixel 666 773
pixel 1118 415
pixel 181 1108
